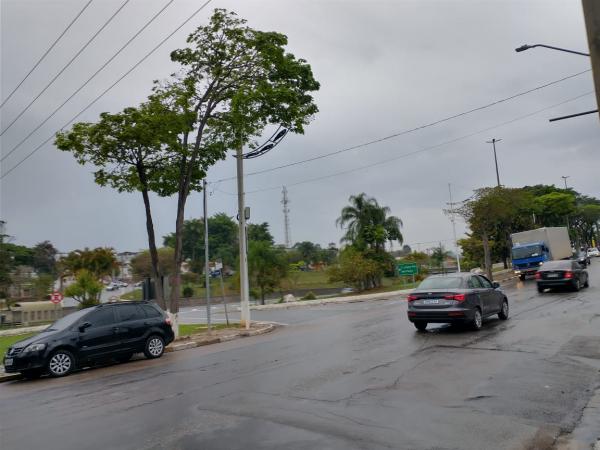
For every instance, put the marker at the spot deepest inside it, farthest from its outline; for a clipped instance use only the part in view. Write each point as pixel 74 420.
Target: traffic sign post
pixel 56 297
pixel 408 269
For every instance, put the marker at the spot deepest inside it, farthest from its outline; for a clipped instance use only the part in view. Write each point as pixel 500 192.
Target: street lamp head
pixel 522 48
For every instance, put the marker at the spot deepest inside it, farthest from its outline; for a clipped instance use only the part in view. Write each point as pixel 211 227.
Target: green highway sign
pixel 408 269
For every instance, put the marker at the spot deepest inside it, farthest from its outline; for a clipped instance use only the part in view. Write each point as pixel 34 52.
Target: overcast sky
pixel 384 67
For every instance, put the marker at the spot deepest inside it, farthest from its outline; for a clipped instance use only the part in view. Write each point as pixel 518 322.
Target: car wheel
pixel 522 277
pixel 503 314
pixel 477 321
pixel 124 357
pixel 587 282
pixel 155 347
pixel 421 326
pixel 541 289
pixel 32 374
pixel 61 363
pixel 576 285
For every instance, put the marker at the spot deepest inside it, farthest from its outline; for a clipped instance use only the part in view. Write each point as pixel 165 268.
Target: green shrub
pixel 187 292
pixel 309 296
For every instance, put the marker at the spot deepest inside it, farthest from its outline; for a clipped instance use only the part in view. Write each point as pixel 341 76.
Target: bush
pixel 309 296
pixel 187 292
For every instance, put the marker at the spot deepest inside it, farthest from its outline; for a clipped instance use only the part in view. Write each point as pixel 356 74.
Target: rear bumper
pixel 453 315
pixel 555 283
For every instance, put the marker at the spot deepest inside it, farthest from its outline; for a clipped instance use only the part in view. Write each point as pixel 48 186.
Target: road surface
pixel 355 376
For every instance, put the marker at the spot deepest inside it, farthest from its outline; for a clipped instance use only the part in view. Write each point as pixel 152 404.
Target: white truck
pixel 531 248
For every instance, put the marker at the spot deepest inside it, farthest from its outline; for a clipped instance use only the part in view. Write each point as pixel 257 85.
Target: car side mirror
pixel 496 285
pixel 83 326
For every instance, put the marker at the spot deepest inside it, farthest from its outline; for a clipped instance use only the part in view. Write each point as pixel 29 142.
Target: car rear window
pixel 441 283
pixel 130 312
pixel 150 311
pixel 557 265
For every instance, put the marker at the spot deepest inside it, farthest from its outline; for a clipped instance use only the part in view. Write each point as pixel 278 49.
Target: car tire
pixel 155 347
pixel 477 321
pixel 522 277
pixel 123 358
pixel 421 326
pixel 587 282
pixel 541 289
pixel 32 374
pixel 61 363
pixel 503 314
pixel 576 285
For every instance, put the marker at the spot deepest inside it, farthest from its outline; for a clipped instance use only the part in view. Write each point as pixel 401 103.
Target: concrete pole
pixel 452 218
pixel 493 142
pixel 206 259
pixel 244 286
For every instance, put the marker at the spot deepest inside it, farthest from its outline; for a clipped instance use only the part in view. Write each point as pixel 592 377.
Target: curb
pixel 348 299
pixel 4 377
pixel 226 338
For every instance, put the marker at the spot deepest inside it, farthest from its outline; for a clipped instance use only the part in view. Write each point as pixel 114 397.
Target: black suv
pixel 108 331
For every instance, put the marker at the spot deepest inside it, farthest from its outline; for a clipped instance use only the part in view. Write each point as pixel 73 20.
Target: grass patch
pixel 193 328
pixel 7 341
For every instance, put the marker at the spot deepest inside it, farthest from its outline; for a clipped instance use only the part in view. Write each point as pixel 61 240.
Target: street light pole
pixel 522 48
pixel 493 142
pixel 244 285
pixel 565 180
pixel 453 220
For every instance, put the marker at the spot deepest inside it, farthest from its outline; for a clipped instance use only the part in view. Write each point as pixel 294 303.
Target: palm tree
pixel 367 224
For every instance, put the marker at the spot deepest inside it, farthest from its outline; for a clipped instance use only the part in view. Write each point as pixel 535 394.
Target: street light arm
pixel 522 48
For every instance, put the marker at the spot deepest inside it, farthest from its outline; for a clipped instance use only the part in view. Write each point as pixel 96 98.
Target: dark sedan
pixel 566 273
pixel 109 331
pixel 457 298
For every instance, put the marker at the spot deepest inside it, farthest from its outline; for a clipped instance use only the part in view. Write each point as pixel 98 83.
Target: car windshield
pixel 530 251
pixel 441 283
pixel 68 320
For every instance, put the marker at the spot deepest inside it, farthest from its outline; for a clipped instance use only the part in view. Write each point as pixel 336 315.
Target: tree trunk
pixel 486 255
pixel 156 275
pixel 174 304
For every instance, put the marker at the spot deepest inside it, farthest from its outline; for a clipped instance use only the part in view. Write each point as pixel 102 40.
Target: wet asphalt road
pixel 355 376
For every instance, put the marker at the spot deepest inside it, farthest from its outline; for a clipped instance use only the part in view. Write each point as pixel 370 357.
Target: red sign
pixel 56 297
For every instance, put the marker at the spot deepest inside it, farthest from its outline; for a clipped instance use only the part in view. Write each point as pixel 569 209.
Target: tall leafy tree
pixel 132 151
pixel 100 262
pixel 234 81
pixel 44 258
pixel 368 224
pixel 267 267
pixel 260 232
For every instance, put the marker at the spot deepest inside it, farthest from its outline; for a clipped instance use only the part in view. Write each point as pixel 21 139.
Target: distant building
pixel 124 259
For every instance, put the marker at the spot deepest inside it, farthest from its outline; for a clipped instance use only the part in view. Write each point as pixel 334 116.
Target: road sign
pixel 56 297
pixel 408 269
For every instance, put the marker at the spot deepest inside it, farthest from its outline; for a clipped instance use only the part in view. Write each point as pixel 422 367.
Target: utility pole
pixel 206 262
pixel 565 180
pixel 286 217
pixel 453 220
pixel 493 142
pixel 244 286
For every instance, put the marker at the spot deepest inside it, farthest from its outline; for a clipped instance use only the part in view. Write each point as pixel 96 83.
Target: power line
pixel 411 130
pixel 88 80
pixel 46 53
pixel 451 141
pixel 107 89
pixel 66 66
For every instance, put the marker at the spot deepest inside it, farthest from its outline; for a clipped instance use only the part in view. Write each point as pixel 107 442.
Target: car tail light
pixel 538 276
pixel 457 297
pixel 168 321
pixel 411 298
pixel 568 274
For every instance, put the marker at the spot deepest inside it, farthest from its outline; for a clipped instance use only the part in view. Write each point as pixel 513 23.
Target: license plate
pixel 552 275
pixel 431 302
pixel 8 362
